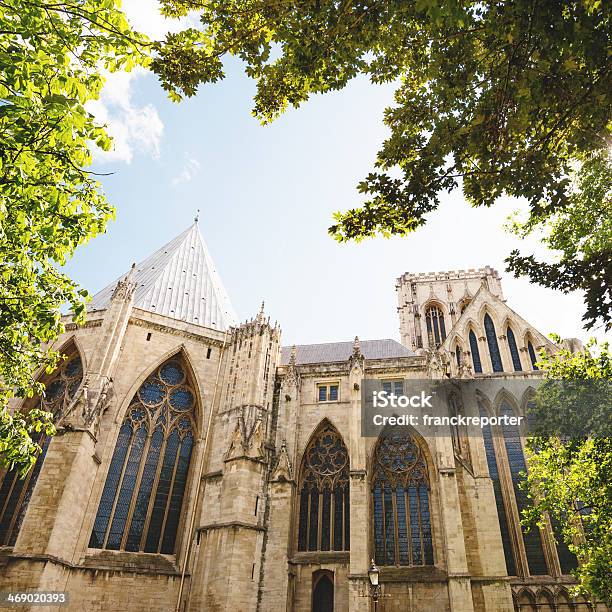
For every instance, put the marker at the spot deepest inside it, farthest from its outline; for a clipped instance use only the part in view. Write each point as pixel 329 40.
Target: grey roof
pixel 179 281
pixel 341 351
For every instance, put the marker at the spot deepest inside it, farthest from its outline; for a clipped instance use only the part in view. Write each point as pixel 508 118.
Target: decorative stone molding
pixel 125 288
pixel 175 332
pixel 356 360
pixel 283 471
pixel 248 437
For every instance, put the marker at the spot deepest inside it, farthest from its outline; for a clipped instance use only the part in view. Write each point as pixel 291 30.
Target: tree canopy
pixel 498 98
pixel 51 59
pixel 569 467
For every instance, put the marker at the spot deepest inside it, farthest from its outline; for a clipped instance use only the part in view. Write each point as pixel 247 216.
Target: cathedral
pixel 200 465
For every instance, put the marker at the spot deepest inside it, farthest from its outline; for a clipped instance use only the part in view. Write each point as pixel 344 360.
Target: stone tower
pixel 450 292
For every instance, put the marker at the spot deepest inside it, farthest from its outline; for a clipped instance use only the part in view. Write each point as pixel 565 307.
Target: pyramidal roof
pixel 178 281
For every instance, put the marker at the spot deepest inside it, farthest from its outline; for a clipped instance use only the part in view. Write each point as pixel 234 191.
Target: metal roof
pixel 341 351
pixel 179 281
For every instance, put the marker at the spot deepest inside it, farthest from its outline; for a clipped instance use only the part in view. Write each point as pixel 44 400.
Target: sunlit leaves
pixel 571 480
pixel 495 98
pixel 51 57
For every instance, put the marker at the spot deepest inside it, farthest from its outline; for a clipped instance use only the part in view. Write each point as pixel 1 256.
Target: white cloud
pixel 190 169
pixel 133 128
pixel 136 129
pixel 144 16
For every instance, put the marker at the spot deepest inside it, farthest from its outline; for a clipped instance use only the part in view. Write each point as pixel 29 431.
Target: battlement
pixel 470 274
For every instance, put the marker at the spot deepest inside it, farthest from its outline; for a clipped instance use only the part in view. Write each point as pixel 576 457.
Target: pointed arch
pixel 474 349
pixel 435 323
pixel 511 434
pixel 143 494
pixel 324 492
pixel 60 388
pixel 563 601
pixel 491 335
pixel 545 601
pixel 526 601
pixel 400 490
pixel 513 348
pixel 457 344
pixel 179 352
pixel 494 475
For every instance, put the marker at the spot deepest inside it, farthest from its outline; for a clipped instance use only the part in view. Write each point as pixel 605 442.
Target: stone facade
pixel 257 408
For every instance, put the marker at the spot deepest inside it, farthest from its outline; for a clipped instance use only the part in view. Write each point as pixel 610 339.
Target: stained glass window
pixel 15 492
pixel 324 493
pixel 516 462
pixel 516 360
pixel 532 355
pixel 487 436
pixel 475 353
pixel 496 361
pixel 400 500
pixel 145 486
pixel 436 331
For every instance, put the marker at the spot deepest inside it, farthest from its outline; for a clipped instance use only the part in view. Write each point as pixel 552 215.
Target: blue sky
pixel 266 196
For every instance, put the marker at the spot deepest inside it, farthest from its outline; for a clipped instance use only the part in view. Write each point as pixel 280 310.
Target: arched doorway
pixel 323 591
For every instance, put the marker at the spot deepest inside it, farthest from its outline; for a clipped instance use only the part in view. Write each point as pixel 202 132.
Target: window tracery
pixel 436 330
pixel 15 492
pixel 475 352
pixel 532 355
pixel 400 501
pixel 143 494
pixel 496 361
pixel 324 519
pixel 516 359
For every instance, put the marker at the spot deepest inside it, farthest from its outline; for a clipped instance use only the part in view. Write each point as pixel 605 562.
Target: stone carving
pixel 437 363
pixel 125 287
pixel 90 402
pixel 248 439
pixel 292 378
pixel 283 471
pixel 356 360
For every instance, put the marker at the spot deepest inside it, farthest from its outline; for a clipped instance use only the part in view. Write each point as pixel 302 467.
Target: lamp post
pixel 373 575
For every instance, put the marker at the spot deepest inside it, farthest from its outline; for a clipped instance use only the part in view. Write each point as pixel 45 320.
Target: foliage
pixel 51 58
pixel 570 477
pixel 495 97
pixel 582 233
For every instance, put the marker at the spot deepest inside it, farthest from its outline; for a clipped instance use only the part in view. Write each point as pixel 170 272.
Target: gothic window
pixel 323 591
pixel 487 436
pixel 516 462
pixel 143 494
pixel 496 361
pixel 15 492
pixel 532 355
pixel 400 501
pixel 475 353
pixel 436 331
pixel 458 355
pixel 516 360
pixel 324 493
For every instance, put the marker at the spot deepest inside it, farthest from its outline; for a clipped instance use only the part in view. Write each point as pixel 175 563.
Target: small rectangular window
pixel 327 392
pixel 148 336
pixel 322 393
pixel 208 352
pixel 393 386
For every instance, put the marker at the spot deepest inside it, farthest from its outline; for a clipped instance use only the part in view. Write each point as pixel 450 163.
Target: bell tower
pixel 430 303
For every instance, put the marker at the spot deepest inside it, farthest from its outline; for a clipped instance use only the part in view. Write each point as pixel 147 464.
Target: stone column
pixel 275 587
pixel 359 511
